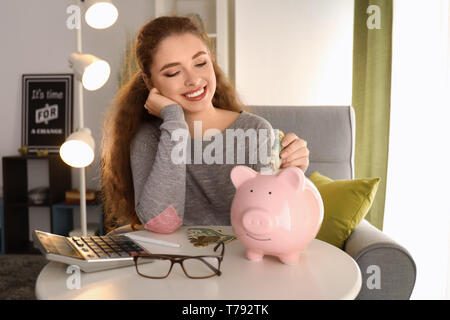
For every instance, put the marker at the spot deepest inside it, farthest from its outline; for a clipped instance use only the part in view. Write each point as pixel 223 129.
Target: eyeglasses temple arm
pixel 223 247
pixel 211 266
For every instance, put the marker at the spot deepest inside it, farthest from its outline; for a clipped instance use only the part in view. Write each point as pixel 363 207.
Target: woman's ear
pixel 147 81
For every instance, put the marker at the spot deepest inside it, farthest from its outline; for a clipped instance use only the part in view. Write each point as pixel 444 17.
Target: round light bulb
pixel 101 15
pixel 96 75
pixel 76 153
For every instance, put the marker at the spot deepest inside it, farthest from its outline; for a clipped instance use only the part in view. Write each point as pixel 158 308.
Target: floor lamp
pixel 91 73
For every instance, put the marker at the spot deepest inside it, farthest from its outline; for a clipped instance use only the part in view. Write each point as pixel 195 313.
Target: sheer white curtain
pixel 418 194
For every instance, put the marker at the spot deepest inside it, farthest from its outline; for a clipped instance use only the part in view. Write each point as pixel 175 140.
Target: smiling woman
pixel 179 84
pixel 128 113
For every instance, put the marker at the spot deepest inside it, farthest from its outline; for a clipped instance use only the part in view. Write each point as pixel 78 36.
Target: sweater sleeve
pixel 159 181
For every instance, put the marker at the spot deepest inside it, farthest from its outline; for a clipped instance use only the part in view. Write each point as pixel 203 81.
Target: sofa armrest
pixel 388 271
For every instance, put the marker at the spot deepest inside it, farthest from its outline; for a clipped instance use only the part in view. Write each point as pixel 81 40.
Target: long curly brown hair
pixel 127 112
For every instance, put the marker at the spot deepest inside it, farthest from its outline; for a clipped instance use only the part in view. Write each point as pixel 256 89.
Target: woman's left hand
pixel 295 152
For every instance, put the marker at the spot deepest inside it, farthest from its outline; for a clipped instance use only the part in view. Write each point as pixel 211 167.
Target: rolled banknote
pixel 276 161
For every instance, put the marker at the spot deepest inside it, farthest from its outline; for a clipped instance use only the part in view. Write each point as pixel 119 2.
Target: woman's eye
pixel 172 74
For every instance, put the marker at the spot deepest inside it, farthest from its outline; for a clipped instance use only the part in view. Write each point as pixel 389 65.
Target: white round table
pixel 323 272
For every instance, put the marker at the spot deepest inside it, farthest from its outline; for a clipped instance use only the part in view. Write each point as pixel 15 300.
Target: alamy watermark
pixel 73 282
pixel 374 19
pixel 259 144
pixel 374 280
pixel 74 19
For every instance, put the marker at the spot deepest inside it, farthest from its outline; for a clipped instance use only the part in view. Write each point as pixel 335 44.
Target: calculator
pixel 89 253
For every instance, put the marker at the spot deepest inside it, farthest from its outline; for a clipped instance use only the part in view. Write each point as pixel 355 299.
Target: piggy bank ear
pixel 293 176
pixel 241 174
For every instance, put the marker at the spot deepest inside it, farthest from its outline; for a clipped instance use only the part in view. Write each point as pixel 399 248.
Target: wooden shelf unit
pixel 15 196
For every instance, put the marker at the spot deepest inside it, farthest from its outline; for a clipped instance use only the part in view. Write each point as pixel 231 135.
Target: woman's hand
pixel 156 102
pixel 295 152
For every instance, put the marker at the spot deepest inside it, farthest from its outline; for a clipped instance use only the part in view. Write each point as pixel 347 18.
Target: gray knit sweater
pixel 197 186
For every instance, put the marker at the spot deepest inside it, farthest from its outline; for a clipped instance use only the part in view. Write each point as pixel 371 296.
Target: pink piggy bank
pixel 275 214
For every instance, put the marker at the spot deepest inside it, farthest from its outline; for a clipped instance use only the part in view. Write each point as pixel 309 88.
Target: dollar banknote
pixel 276 161
pixel 202 237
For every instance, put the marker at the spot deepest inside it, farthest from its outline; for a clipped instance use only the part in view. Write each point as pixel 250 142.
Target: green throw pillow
pixel 346 203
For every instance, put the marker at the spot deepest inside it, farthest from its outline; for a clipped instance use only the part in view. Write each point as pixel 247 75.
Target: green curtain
pixel 371 95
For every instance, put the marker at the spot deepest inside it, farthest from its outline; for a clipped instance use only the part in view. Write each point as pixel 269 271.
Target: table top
pixel 323 272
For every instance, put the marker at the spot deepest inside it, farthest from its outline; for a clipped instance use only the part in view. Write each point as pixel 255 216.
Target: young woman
pixel 167 155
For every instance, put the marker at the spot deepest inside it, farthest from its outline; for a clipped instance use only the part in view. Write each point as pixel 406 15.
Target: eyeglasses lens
pixel 198 267
pixel 153 267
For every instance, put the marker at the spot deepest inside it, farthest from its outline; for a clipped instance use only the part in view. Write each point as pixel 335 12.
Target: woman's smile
pixel 196 95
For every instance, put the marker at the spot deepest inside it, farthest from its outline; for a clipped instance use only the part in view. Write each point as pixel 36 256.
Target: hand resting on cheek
pixel 156 102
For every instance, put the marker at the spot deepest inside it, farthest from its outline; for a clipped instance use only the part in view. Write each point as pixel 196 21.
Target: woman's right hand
pixel 156 102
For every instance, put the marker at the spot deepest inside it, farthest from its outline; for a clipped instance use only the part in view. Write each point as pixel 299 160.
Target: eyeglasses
pixel 158 266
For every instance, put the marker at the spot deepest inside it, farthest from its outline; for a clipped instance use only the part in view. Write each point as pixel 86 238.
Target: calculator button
pixel 102 255
pixel 79 244
pixel 124 254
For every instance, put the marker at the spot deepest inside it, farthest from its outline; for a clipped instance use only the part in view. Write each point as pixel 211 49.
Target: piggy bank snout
pixel 257 222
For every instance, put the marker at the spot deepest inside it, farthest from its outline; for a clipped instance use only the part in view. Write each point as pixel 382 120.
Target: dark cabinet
pixel 15 197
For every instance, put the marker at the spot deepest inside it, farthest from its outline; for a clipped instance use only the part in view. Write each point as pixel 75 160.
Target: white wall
pixel 417 208
pixel 35 39
pixel 294 52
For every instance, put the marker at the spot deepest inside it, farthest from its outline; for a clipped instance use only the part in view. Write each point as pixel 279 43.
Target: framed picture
pixel 47 101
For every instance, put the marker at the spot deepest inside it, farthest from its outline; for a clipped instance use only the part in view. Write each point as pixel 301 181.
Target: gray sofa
pixel 330 132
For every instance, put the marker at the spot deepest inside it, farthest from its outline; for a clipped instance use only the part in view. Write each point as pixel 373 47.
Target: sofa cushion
pixel 346 202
